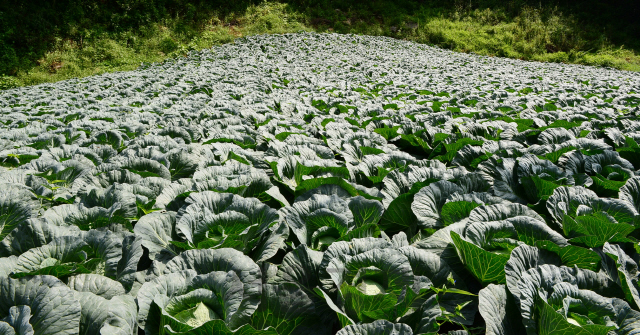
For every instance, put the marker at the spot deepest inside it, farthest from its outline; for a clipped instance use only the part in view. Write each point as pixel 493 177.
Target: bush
pixel 7 82
pixel 167 45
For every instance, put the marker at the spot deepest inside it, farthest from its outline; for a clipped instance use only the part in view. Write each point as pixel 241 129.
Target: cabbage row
pixel 323 184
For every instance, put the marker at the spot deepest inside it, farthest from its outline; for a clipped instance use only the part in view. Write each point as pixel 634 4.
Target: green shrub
pixel 7 82
pixel 167 45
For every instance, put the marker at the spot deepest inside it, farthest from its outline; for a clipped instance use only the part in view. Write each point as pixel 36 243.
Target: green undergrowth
pixel 514 29
pixel 156 42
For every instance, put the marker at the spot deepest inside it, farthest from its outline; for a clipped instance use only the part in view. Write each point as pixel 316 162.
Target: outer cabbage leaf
pixel 32 234
pixel 574 298
pixel 185 300
pixel 575 201
pixel 16 206
pixel 627 273
pixel 289 310
pixel 54 310
pixel 107 316
pixel 205 261
pixel 218 220
pixel 96 252
pixel 157 230
pixel 378 327
pixel 488 267
pixel 322 219
pixel 428 203
pixel 500 311
pixel 338 252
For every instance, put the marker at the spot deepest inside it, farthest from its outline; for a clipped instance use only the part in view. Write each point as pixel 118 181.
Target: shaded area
pixel 117 34
pixel 30 28
pixel 579 25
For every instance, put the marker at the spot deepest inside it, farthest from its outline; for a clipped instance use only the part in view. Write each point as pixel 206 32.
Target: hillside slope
pixel 323 184
pixel 47 41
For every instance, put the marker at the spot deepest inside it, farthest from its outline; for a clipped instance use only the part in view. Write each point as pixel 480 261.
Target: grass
pixel 157 42
pixel 540 34
pixel 527 37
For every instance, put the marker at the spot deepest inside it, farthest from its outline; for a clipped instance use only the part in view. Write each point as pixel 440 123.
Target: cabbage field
pixel 322 184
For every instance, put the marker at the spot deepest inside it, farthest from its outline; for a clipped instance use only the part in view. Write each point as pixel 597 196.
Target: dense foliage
pixel 323 184
pixel 35 31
